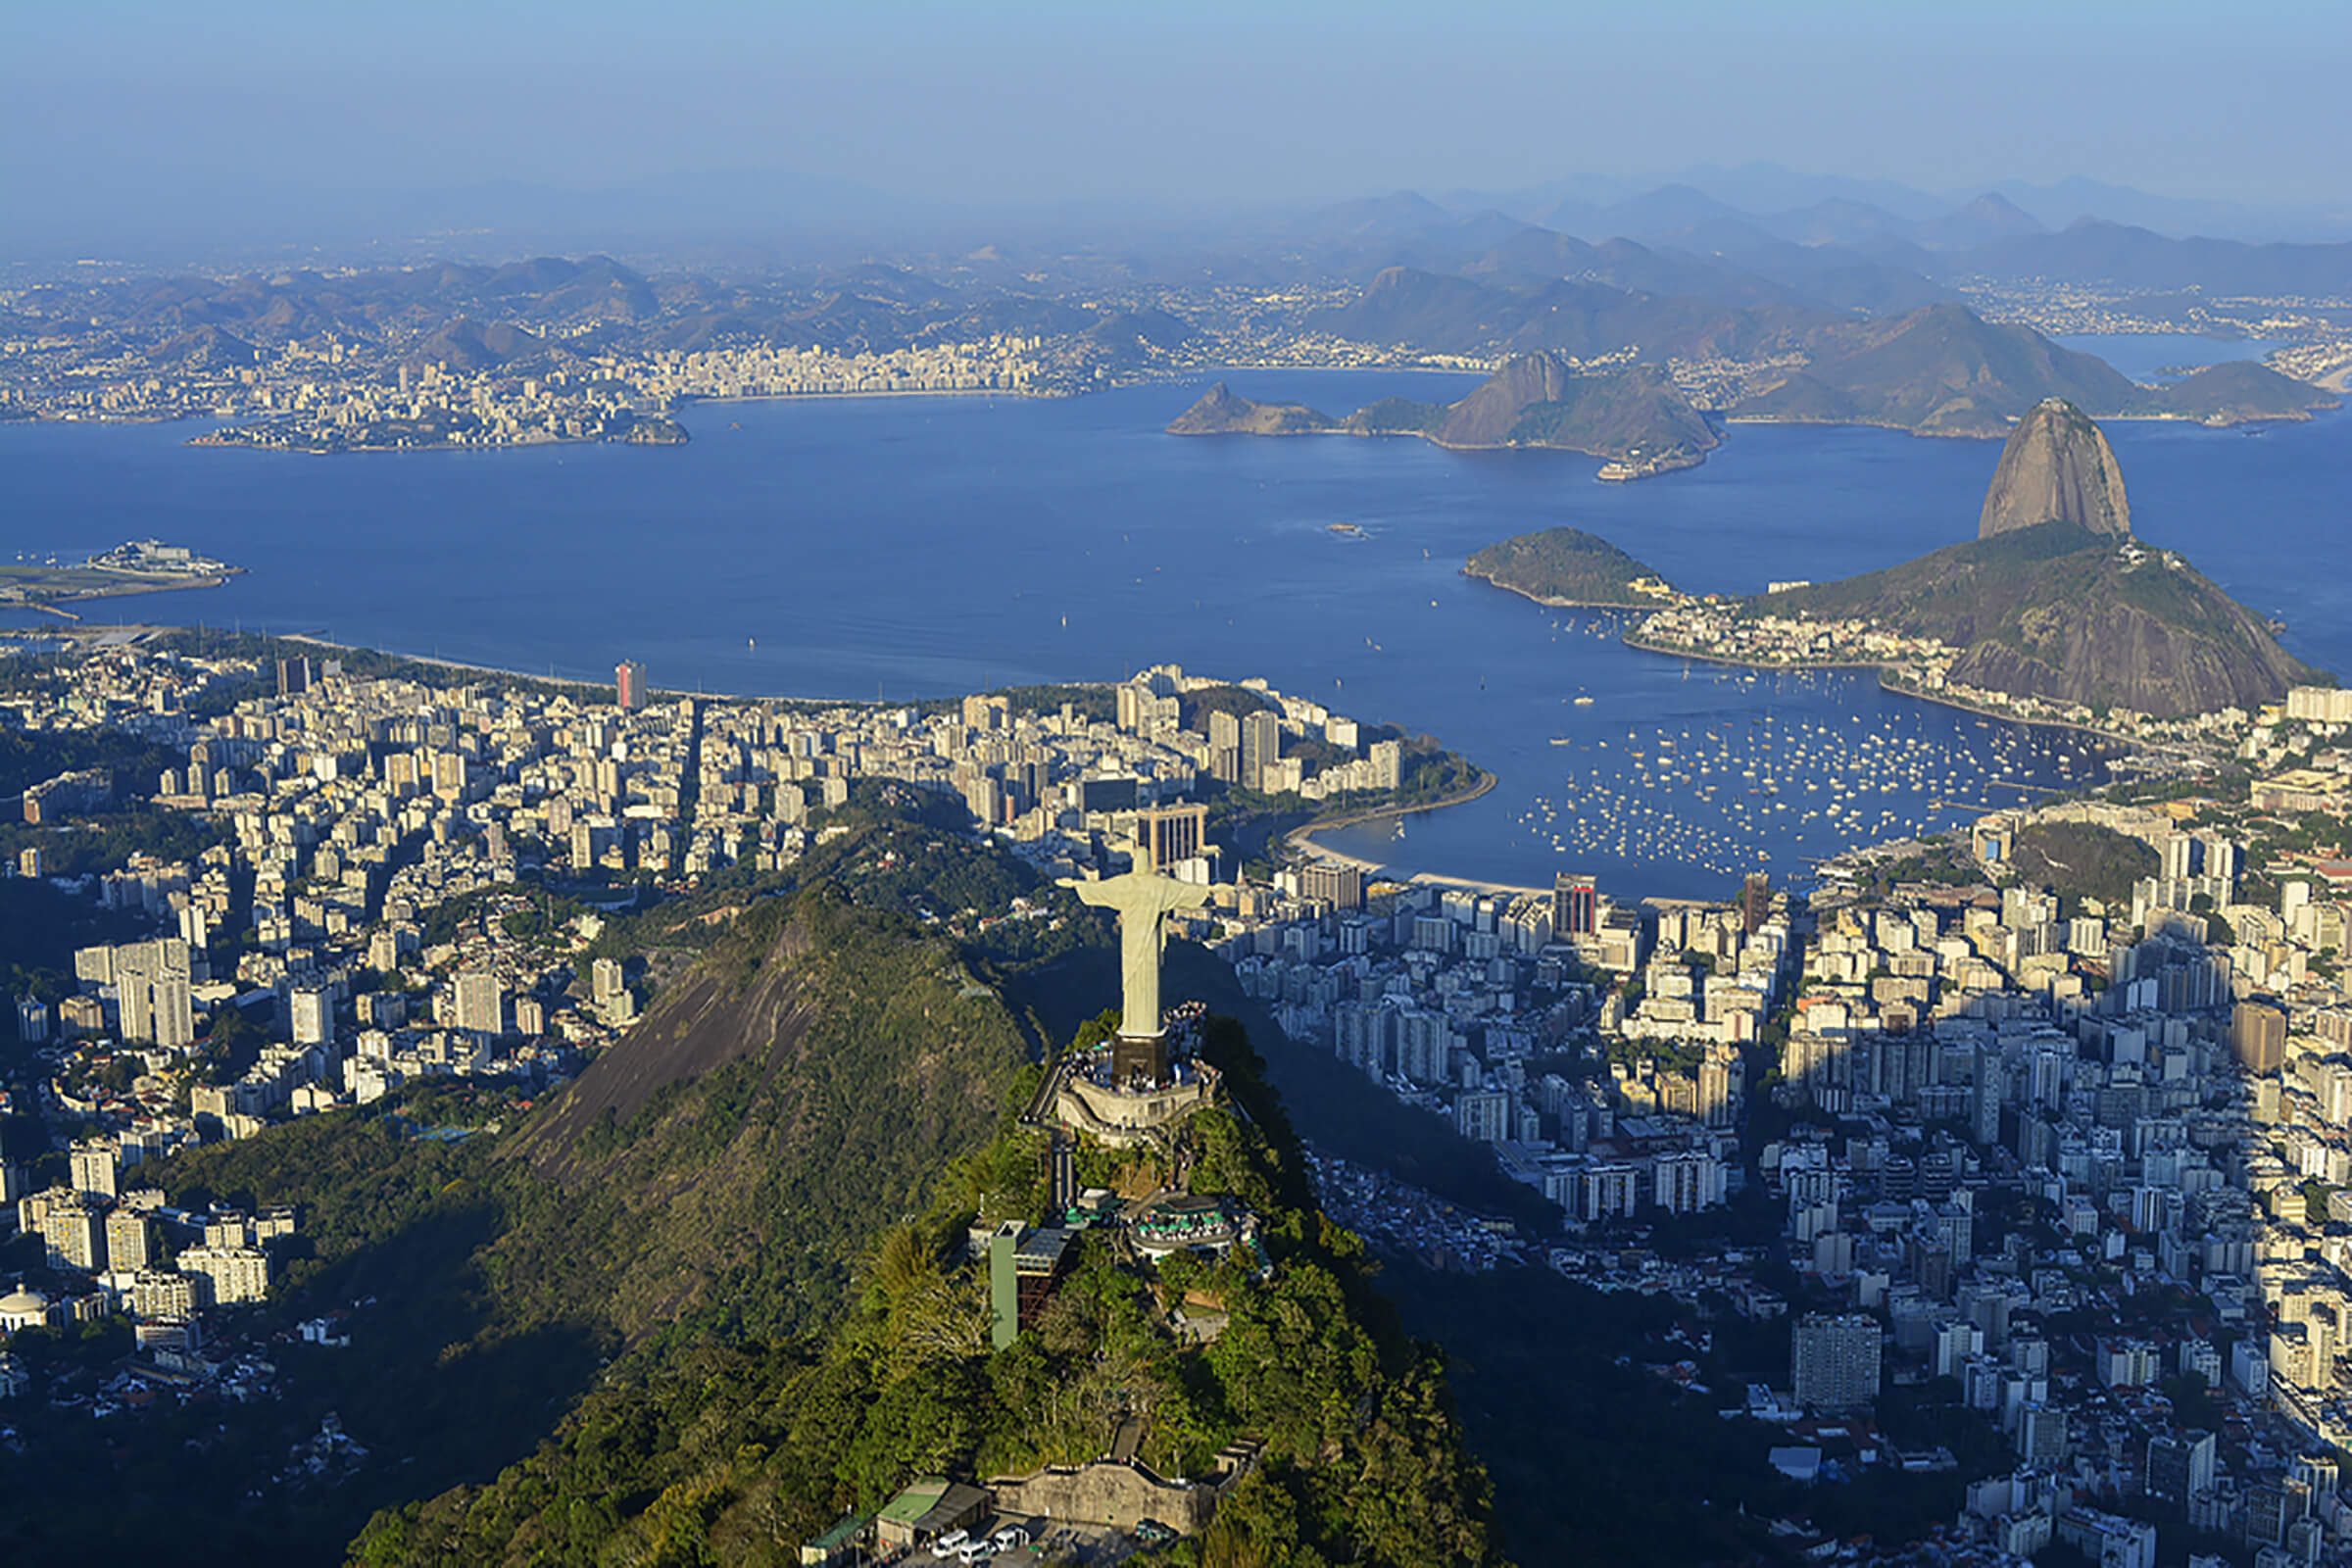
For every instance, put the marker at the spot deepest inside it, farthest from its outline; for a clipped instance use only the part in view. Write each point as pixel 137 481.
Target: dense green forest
pixel 29 757
pixel 2082 860
pixel 1563 565
pixel 105 840
pixel 734 1455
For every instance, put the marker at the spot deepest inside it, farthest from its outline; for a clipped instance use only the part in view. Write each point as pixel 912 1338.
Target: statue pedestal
pixel 1139 1058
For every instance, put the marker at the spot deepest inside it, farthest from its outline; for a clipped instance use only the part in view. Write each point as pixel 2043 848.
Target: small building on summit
pixel 925 1510
pixel 1191 1223
pixel 840 1545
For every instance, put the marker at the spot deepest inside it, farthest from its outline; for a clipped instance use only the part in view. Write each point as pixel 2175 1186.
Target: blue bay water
pixel 928 545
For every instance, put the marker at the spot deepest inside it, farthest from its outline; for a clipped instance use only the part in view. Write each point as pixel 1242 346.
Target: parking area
pixel 1015 1541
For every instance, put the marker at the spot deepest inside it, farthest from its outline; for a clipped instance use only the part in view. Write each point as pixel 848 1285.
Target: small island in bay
pixel 1222 411
pixel 1570 568
pixel 1633 416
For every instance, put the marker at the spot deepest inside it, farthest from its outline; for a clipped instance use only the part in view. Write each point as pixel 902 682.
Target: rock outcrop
pixel 2057 468
pixel 1222 411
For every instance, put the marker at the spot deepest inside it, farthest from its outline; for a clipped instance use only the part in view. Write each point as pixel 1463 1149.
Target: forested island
pixel 1570 568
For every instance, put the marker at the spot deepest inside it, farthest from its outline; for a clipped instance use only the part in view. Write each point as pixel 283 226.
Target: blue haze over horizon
pixel 123 118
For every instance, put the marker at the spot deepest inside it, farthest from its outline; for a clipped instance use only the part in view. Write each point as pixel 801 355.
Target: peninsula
pixel 2054 613
pixel 135 566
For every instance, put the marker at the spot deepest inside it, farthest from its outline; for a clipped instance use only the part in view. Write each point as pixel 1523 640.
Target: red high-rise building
pixel 628 679
pixel 1575 905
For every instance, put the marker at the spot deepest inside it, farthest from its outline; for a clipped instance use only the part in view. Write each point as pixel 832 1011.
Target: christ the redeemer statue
pixel 1143 900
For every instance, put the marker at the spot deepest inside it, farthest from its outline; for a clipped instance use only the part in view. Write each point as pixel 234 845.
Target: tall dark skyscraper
pixel 1575 905
pixel 629 683
pixel 1171 835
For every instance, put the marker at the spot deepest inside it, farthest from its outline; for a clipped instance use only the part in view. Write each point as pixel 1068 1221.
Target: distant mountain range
pixel 1939 369
pixel 489 317
pixel 1772 189
pixel 1839 251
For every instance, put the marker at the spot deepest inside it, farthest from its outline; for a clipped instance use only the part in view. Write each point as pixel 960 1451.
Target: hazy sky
pixel 110 105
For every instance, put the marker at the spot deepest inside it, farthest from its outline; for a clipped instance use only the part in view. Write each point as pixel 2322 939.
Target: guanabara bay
pixel 1175 787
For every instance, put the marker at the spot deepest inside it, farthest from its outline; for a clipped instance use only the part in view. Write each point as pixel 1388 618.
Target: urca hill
pixel 2056 599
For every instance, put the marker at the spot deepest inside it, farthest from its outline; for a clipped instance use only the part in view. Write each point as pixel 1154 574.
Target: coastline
pixel 1300 840
pixel 679 405
pixel 1961 705
pixel 126 590
pixel 686 400
pixel 1671 650
pixel 2227 422
pixel 1548 601
pixel 312 639
pixel 1886 683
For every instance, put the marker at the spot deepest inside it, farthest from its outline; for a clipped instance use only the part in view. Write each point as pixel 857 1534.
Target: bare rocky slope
pixel 2056 467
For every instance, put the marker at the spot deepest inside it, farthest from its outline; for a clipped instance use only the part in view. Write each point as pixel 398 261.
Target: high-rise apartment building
pixel 1170 835
pixel 310 1012
pixel 1224 748
pixel 1575 906
pixel 1261 747
pixel 628 684
pixel 172 1011
pixel 128 1239
pixel 1835 1361
pixel 2258 1034
pixel 227 1274
pixel 1329 882
pixel 91 1168
pixel 72 1228
pixel 1483 1116
pixel 481 1004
